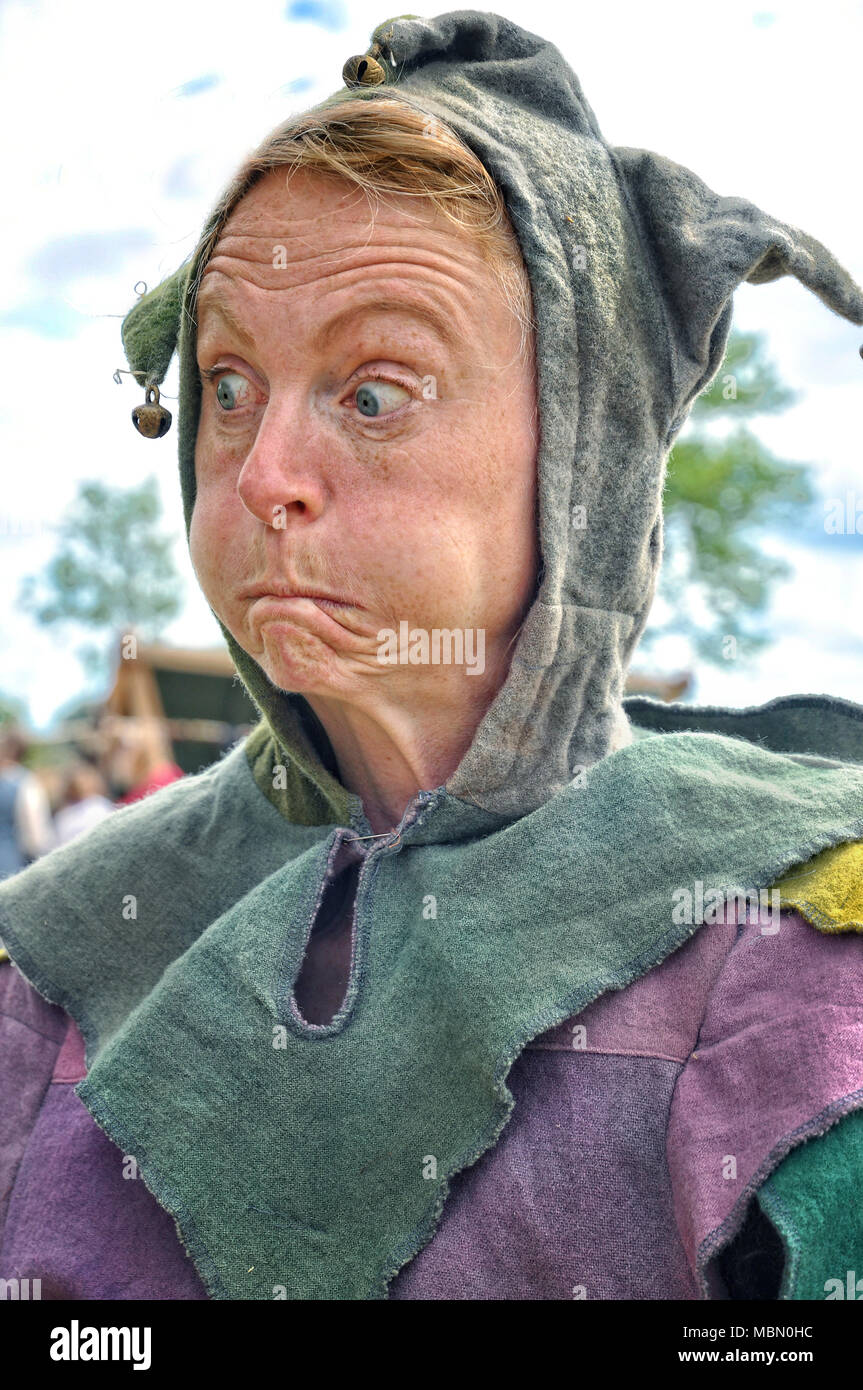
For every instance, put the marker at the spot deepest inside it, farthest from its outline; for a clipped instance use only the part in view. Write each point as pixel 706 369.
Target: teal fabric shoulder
pixel 823 725
pixel 813 1201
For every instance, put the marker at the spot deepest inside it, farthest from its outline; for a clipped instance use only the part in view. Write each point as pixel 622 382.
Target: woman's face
pixel 367 433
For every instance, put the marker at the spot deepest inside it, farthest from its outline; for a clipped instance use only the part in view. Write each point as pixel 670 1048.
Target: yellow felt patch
pixel 828 889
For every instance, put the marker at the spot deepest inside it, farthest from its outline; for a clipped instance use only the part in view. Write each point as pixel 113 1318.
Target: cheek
pixel 209 539
pixel 200 551
pixel 217 509
pixel 197 538
pixel 478 467
pixel 509 453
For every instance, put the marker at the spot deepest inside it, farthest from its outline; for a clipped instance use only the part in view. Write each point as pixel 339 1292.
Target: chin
pixel 295 661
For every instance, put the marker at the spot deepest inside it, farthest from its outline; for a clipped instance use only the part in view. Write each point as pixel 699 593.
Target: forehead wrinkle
pixel 264 216
pixel 442 319
pixel 450 259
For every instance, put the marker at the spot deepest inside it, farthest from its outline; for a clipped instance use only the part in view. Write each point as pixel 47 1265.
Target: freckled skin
pixel 426 517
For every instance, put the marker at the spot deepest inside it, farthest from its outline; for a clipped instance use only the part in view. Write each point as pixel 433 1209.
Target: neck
pixel 408 739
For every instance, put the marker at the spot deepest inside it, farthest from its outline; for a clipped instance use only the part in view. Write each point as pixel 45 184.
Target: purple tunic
pixel 641 1128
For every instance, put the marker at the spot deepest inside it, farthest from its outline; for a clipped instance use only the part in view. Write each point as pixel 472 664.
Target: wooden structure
pixel 667 688
pixel 196 692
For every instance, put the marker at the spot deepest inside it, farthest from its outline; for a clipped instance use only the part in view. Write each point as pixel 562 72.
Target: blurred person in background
pixel 84 801
pixel 137 757
pixel 26 831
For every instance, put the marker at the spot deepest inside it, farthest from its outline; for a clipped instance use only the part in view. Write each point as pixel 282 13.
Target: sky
pixel 121 124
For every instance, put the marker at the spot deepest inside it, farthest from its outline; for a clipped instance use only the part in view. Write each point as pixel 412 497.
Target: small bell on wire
pixel 364 70
pixel 151 419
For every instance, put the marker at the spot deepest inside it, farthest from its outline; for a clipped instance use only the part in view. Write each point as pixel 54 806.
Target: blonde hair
pixel 388 145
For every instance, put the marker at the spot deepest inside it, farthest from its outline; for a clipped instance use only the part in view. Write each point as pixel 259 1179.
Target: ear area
pixel 702 246
pixel 151 328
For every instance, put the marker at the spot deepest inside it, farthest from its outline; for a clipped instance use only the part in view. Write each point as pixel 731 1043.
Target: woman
pixel 429 989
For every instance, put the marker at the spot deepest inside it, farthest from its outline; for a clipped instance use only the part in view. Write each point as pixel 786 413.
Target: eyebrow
pixel 218 308
pixel 440 323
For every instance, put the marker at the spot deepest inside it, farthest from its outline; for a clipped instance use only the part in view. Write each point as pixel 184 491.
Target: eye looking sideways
pixel 373 395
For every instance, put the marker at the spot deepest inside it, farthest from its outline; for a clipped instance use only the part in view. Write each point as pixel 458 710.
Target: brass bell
pixel 364 70
pixel 151 419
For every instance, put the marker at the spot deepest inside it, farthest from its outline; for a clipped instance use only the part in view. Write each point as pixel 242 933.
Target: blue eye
pixel 229 391
pixel 368 396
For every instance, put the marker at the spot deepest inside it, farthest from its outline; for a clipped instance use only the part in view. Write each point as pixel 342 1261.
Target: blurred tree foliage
pixel 721 495
pixel 113 570
pixel 13 711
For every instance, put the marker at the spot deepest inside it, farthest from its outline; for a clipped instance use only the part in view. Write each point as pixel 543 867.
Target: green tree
pixel 721 494
pixel 112 572
pixel 13 711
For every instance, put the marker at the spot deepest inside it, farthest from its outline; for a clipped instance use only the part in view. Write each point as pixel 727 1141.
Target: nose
pixel 281 482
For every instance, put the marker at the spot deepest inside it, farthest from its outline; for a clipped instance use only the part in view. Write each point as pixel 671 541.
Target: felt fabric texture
pixel 317 1158
pixel 829 891
pixel 593 1095
pixel 779 724
pixel 190 1000
pixel 26 1059
pixel 807 1197
pixel 813 1201
pixel 782 1030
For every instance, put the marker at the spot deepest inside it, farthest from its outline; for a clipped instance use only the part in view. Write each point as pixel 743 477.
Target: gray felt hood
pixel 633 262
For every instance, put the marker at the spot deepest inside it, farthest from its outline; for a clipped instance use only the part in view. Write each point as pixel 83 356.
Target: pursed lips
pixel 284 591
